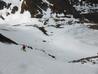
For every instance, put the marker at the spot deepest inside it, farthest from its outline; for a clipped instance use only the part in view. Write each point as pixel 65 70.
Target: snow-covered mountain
pixel 53 44
pixel 82 9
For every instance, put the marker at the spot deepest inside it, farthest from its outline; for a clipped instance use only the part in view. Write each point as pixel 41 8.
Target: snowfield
pixel 66 44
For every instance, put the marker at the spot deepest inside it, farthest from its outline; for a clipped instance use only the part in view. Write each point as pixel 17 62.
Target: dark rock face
pixel 15 8
pixel 60 6
pixel 93 27
pixel 35 7
pixel 91 59
pixel 4 39
pixel 91 1
pixel 4 5
pixel 92 17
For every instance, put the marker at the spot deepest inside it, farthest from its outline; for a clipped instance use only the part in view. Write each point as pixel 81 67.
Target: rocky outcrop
pixel 4 39
pixel 91 1
pixel 60 6
pixel 92 59
pixel 36 7
pixel 4 5
pixel 92 17
pixel 15 9
pixel 95 27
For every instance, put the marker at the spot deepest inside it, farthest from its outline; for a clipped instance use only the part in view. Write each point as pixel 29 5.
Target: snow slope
pixel 66 44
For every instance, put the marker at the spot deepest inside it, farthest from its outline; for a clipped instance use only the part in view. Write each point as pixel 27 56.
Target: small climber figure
pixel 24 47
